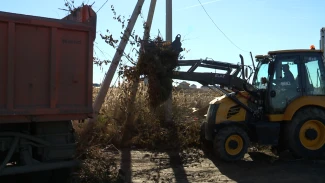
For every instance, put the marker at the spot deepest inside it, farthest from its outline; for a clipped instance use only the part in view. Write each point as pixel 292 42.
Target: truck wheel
pixel 306 133
pixel 50 176
pixel 231 143
pixel 61 175
pixel 206 145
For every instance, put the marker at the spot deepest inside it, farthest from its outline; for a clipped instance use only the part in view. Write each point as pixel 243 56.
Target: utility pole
pixel 135 84
pixel 128 123
pixel 116 60
pixel 169 34
pixel 149 19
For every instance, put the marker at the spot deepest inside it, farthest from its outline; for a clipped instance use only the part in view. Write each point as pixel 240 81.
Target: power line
pixel 102 6
pixel 219 28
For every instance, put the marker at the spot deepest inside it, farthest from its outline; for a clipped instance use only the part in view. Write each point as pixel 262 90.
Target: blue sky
pixel 253 25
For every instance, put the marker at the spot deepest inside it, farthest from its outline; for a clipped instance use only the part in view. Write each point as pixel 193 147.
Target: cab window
pixel 313 82
pixel 261 73
pixel 286 71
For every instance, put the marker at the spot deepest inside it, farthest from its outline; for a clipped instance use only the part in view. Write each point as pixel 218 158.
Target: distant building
pixel 96 85
pixel 184 85
pixel 193 86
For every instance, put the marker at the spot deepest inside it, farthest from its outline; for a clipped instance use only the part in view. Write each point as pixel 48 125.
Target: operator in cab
pixel 288 78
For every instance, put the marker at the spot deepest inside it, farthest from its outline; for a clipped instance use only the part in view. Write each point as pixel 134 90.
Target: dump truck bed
pixel 46 68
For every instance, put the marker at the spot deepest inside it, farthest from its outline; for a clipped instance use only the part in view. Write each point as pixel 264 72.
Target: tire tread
pixel 220 138
pixel 302 115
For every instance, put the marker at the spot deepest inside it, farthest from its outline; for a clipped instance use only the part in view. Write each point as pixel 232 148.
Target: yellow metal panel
pixel 239 116
pixel 301 102
pixel 296 105
pixel 275 117
pixel 225 104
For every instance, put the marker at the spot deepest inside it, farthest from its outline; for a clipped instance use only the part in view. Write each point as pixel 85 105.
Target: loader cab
pixel 290 75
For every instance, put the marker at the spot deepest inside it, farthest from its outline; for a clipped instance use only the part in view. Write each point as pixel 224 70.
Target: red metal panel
pixel 73 63
pixel 32 66
pixel 53 69
pixel 3 63
pixel 90 71
pixel 45 68
pixel 10 64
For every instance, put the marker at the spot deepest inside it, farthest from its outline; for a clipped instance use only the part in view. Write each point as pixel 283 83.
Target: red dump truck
pixel 46 72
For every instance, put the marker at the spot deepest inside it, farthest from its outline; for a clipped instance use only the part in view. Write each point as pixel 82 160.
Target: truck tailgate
pixel 46 68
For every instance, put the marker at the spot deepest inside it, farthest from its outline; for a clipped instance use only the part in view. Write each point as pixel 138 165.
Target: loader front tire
pixel 231 143
pixel 306 133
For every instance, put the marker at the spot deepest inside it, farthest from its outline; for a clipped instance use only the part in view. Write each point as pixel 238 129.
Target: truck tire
pixel 306 133
pixel 61 175
pixel 231 143
pixel 50 176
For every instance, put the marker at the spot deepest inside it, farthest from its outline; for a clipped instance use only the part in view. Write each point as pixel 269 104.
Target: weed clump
pixel 157 61
pixel 98 166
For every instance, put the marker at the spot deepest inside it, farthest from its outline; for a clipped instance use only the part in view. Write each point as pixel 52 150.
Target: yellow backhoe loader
pixel 285 108
pixel 282 107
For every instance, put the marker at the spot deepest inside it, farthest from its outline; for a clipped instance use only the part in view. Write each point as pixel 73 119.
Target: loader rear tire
pixel 306 133
pixel 231 143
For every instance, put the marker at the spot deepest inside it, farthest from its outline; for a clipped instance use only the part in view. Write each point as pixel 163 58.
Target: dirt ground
pixel 194 166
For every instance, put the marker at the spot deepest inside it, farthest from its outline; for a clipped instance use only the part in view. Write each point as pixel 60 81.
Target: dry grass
pixel 146 129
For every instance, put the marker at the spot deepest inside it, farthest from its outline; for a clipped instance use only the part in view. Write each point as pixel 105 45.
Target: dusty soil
pixel 194 166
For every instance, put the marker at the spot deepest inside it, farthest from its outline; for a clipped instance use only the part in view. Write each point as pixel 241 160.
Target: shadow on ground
pixel 260 168
pixel 196 165
pixel 266 168
pixel 173 161
pixel 155 173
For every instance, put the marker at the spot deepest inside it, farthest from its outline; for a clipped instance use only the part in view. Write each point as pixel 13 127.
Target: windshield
pixel 261 72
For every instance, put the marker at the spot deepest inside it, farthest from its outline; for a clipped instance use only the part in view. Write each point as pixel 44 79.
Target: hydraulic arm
pixel 231 78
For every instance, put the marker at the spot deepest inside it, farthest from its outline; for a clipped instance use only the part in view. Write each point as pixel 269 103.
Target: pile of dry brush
pixel 97 145
pixel 157 61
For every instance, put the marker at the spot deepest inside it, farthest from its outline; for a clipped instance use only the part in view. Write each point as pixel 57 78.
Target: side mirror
pixel 242 66
pixel 271 68
pixel 246 72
